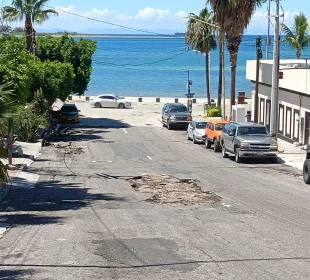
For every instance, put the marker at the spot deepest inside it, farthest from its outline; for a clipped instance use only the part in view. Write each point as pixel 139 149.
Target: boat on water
pixel 180 34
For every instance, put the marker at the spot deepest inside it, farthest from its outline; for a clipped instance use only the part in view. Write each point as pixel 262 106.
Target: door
pixel 307 128
pixel 111 102
pixel 191 129
pixel 231 136
pixel 104 101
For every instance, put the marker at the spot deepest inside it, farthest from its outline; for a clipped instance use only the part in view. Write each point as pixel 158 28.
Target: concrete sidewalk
pixel 291 155
pixel 21 178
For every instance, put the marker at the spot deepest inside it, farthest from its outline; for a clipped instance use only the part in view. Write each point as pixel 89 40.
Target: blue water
pixel 159 67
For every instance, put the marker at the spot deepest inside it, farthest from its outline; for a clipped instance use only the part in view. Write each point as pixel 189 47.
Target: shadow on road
pixel 49 196
pixel 14 274
pixel 101 123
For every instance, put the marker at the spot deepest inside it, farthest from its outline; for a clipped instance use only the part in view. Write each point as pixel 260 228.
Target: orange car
pixel 213 134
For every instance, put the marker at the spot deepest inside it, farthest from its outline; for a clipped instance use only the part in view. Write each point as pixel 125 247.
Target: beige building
pixel 294 97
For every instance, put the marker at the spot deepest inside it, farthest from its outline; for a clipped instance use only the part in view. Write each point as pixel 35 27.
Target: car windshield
pixel 201 125
pixel 219 126
pixel 252 130
pixel 117 97
pixel 178 109
pixel 69 109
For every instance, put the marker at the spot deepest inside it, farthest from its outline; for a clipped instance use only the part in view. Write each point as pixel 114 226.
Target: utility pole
pixel 223 73
pixel 268 36
pixel 259 55
pixel 275 74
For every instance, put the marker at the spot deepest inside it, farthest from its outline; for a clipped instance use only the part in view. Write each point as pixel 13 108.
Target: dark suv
pixel 249 140
pixel 175 115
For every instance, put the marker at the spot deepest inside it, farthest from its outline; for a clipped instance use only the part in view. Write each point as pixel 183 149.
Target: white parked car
pixel 196 131
pixel 109 101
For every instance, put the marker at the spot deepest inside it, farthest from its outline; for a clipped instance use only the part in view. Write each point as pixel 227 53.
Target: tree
pixel 233 16
pixel 7 107
pixel 200 36
pixel 77 53
pixel 297 37
pixel 53 79
pixel 32 11
pixel 15 67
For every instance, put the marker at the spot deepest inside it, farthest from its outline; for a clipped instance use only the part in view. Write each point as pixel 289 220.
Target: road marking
pixel 94 161
pixel 125 130
pixel 149 157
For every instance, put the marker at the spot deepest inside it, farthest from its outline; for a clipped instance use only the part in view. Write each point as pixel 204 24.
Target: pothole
pixel 166 189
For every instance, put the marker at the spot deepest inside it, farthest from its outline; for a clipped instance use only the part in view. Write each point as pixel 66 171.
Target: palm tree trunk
pixel 298 53
pixel 208 78
pixel 29 33
pixel 220 86
pixel 233 44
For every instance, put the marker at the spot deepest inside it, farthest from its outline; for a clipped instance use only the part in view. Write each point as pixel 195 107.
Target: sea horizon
pixel 155 66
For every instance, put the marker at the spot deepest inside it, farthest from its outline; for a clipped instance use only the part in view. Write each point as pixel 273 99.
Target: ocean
pixel 158 67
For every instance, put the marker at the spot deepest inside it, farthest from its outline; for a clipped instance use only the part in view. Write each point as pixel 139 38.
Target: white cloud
pixel 181 14
pixel 150 14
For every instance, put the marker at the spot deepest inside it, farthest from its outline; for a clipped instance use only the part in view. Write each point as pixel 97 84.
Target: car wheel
pixel 121 106
pixel 306 171
pixel 194 140
pixel 224 154
pixel 97 105
pixel 208 144
pixel 216 147
pixel 188 138
pixel 237 155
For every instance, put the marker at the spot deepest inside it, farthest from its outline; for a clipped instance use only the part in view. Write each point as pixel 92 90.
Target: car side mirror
pixel 231 133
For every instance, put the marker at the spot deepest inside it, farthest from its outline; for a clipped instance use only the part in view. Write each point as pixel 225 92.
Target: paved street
pixel 83 220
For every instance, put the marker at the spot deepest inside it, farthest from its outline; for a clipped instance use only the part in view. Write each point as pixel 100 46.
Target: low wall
pixel 149 99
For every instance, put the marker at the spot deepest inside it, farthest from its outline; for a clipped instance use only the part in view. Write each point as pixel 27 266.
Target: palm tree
pixel 233 16
pixel 32 11
pixel 297 37
pixel 200 36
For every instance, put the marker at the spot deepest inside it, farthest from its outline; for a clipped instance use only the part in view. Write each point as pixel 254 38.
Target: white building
pixel 294 97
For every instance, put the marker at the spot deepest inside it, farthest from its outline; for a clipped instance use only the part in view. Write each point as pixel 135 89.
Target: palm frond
pixel 11 14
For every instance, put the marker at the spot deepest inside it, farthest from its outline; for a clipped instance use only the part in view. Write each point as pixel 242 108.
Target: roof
pixel 175 104
pixel 250 124
pixel 217 121
pixel 69 104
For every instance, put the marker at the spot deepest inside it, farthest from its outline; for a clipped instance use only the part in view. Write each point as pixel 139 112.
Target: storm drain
pixel 166 189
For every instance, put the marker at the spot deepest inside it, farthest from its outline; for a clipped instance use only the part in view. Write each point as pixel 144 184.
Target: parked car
pixel 213 133
pixel 69 113
pixel 248 140
pixel 306 167
pixel 196 131
pixel 109 101
pixel 175 115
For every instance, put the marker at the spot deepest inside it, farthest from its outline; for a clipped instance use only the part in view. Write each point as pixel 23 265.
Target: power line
pixel 110 23
pixel 147 63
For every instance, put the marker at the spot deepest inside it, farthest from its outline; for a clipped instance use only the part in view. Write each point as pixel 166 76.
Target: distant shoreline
pixel 111 36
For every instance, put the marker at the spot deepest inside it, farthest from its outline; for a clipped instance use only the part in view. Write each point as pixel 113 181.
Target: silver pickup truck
pixel 248 140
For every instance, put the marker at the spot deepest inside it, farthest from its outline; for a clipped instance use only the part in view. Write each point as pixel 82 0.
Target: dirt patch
pixel 166 189
pixel 69 148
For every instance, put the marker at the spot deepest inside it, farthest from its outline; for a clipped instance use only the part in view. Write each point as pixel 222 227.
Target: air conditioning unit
pixel 239 113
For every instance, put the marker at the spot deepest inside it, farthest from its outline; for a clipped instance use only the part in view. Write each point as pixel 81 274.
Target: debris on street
pixel 166 189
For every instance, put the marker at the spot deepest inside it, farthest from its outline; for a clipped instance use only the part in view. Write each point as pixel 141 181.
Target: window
pixel 69 108
pixel 252 130
pixel 226 127
pixel 201 125
pixel 178 109
pixel 219 126
pixel 232 129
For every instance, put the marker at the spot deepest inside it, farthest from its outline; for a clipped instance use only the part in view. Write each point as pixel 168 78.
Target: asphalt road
pixel 83 220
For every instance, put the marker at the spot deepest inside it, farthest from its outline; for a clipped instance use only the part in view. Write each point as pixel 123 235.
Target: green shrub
pixel 27 124
pixel 214 112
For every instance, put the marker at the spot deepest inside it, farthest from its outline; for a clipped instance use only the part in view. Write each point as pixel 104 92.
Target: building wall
pixel 292 117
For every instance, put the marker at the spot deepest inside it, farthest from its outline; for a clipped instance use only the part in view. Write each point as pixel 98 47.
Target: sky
pixel 163 16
